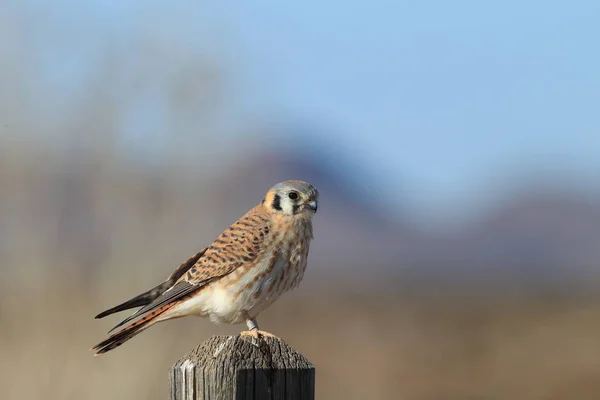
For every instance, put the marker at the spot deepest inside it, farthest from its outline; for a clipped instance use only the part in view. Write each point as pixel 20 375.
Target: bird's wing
pixel 150 295
pixel 239 245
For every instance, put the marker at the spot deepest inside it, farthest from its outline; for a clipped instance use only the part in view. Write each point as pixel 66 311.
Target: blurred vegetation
pixel 380 346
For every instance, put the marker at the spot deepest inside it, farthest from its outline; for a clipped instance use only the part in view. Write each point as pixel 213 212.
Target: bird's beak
pixel 313 205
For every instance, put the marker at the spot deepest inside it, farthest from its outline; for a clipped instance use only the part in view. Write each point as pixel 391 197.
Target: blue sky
pixel 449 99
pixel 449 95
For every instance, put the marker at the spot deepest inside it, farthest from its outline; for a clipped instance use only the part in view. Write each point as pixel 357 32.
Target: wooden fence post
pixel 232 368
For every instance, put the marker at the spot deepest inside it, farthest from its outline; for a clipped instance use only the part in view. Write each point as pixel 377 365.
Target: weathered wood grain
pixel 232 368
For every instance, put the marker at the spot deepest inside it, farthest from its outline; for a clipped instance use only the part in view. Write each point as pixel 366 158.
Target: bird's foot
pixel 256 336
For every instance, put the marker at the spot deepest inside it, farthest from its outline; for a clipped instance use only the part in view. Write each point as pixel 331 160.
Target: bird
pixel 246 268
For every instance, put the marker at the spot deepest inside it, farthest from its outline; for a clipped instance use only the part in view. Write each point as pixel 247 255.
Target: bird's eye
pixel 293 195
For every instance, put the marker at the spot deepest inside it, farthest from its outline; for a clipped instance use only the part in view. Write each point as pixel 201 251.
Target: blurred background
pixel 456 146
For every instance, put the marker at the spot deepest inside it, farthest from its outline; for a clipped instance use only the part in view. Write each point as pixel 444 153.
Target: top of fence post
pixel 231 367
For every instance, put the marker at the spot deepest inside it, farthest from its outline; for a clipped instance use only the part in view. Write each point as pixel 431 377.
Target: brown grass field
pixel 368 346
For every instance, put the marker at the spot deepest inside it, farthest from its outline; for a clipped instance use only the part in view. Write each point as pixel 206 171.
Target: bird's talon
pixel 256 336
pixel 253 335
pixel 267 334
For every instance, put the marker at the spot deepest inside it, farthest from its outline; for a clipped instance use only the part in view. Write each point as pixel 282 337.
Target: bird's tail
pixel 130 330
pixel 138 301
pixel 149 296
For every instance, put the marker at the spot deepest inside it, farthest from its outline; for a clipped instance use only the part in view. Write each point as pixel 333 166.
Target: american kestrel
pixel 249 266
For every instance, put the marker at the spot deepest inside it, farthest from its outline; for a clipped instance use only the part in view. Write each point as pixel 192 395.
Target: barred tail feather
pixel 129 331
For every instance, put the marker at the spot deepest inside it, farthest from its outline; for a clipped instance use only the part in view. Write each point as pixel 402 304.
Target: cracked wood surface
pixel 232 368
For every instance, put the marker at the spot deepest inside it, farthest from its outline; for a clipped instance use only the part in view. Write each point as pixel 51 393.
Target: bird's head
pixel 292 198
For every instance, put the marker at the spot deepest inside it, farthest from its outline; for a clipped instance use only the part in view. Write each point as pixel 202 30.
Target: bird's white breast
pixel 249 289
pixel 232 297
